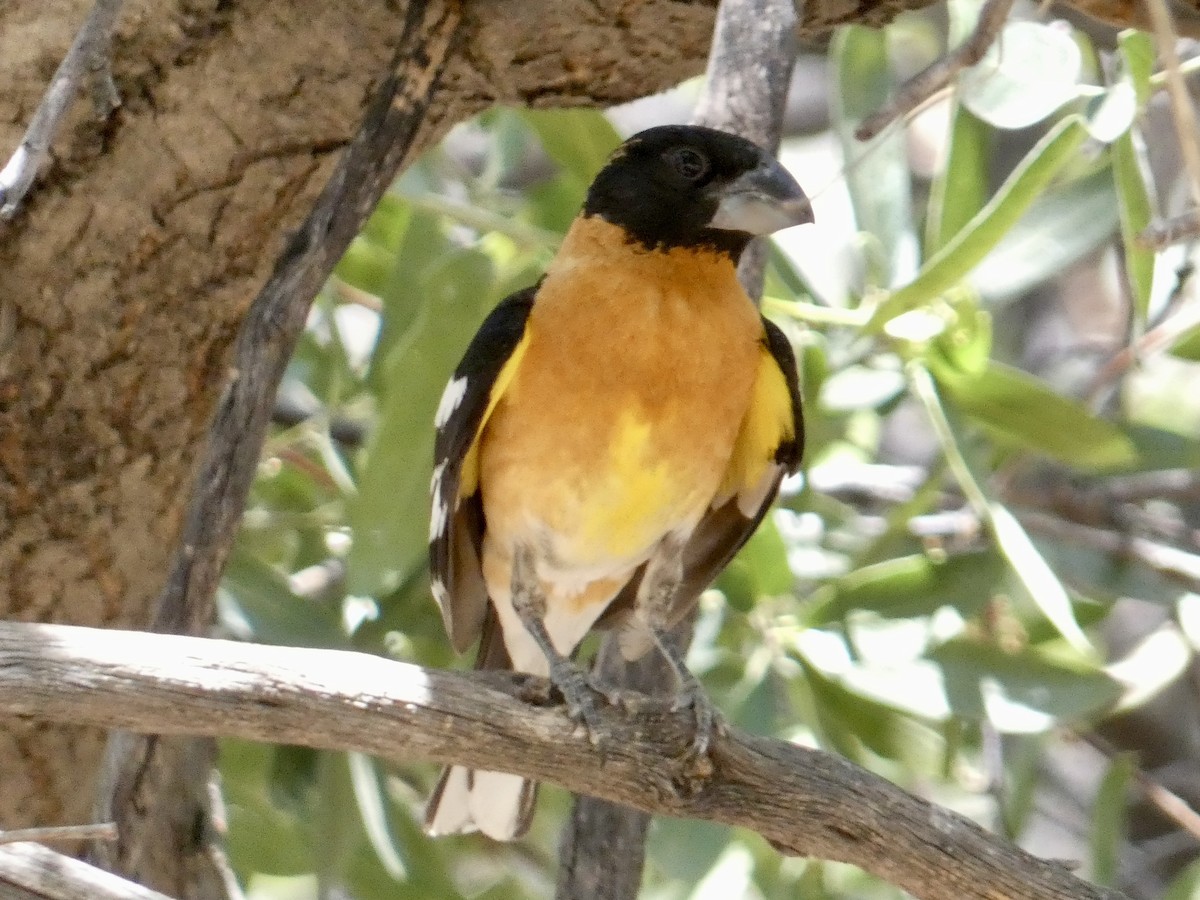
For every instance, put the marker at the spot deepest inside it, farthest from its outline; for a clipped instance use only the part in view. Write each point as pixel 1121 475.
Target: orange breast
pixel 619 424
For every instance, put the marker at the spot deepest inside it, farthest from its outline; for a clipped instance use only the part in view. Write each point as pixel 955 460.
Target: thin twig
pixel 918 89
pixel 100 831
pixel 1176 230
pixel 87 58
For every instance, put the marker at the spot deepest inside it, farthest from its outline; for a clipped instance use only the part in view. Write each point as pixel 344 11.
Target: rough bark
pixel 803 801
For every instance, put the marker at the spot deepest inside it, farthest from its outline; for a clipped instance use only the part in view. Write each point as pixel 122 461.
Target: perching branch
pixel 803 801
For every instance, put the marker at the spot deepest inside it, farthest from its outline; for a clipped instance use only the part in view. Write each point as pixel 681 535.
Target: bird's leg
pixel 656 603
pixel 529 603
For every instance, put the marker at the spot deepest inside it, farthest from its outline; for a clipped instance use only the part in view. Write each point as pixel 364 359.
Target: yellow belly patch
pixel 640 493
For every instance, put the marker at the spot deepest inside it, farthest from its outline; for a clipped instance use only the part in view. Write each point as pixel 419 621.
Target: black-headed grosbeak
pixel 613 434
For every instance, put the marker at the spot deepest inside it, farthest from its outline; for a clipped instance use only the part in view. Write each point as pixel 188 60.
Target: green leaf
pixel 261 836
pixel 1020 409
pixel 255 598
pixel 954 260
pixel 1131 177
pixel 1187 345
pixel 389 518
pixel 1027 73
pixel 1023 757
pixel 960 189
pixel 877 171
pixel 911 586
pixel 766 555
pixel 1022 692
pixel 1108 818
pixel 1137 58
pixel 579 140
pixel 1044 587
pixel 1158 448
pixel 370 794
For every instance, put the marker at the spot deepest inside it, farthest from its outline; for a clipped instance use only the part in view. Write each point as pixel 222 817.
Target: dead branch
pixel 38 872
pixel 803 801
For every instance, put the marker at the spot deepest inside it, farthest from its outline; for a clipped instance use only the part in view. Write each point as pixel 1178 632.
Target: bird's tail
pixel 466 800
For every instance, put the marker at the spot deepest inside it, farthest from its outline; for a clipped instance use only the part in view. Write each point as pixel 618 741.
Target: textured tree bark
pixel 131 266
pixel 803 801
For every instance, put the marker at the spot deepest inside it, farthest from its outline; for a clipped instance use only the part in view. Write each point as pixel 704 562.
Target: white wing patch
pixel 440 594
pixel 452 398
pixel 439 515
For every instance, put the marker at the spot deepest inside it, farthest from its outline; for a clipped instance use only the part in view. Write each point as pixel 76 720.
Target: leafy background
pixel 986 567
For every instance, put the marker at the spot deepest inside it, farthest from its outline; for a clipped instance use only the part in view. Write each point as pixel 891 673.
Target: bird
pixel 613 435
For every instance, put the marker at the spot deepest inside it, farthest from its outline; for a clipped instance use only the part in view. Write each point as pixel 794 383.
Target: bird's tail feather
pixel 467 800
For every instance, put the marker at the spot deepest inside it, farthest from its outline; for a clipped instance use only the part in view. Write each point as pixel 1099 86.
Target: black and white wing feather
pixel 456 517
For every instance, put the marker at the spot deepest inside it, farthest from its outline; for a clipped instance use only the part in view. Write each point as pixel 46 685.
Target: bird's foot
pixel 709 723
pixel 579 695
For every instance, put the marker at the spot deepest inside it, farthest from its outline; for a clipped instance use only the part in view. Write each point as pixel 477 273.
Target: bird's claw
pixel 580 698
pixel 708 722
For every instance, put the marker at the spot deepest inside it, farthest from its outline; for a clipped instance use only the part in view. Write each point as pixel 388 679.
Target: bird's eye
pixel 691 164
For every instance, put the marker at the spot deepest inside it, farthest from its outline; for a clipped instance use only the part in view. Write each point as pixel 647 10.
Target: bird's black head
pixel 687 186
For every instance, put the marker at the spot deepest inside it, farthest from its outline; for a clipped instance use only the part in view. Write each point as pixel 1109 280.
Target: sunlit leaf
pixel 960 189
pixel 1020 692
pixel 1043 585
pixel 1020 409
pixel 1157 661
pixel 911 586
pixel 861 387
pixel 952 263
pixel 372 806
pixel 1028 72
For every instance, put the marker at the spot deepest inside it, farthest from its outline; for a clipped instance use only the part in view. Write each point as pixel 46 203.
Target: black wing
pixel 456 518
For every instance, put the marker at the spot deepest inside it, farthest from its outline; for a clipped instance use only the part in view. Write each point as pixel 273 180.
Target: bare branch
pixel 38 871
pixel 803 801
pixel 914 92
pixel 88 58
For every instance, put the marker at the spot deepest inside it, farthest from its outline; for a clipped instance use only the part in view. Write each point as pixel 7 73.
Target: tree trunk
pixel 128 270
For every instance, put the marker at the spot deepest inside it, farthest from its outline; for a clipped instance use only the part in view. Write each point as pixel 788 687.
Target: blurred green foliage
pixel 841 624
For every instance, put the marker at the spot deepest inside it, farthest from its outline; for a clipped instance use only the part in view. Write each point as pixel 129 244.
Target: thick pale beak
pixel 765 199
